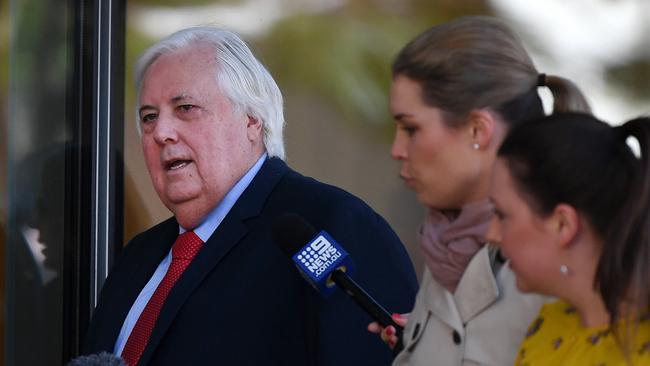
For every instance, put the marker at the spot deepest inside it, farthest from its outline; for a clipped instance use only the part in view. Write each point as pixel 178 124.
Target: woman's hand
pixel 388 334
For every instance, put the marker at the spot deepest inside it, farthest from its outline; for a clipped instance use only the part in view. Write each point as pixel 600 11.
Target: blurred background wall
pixel 332 58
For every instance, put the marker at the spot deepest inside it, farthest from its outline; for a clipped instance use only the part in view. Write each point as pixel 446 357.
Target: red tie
pixel 183 251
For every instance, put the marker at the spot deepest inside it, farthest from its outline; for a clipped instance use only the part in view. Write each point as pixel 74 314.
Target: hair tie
pixel 541 79
pixel 620 132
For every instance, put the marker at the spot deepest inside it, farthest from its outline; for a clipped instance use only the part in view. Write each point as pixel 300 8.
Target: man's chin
pixel 175 199
pixel 189 213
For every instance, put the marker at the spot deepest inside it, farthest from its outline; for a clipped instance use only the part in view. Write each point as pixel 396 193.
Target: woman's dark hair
pixel 579 160
pixel 479 62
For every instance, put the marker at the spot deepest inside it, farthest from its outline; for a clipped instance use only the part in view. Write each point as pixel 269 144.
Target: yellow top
pixel 557 338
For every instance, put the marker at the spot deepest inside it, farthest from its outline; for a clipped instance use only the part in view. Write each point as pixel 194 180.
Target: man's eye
pixel 186 107
pixel 148 117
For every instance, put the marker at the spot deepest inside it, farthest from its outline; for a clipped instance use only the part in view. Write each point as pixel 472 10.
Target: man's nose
pixel 493 234
pixel 166 130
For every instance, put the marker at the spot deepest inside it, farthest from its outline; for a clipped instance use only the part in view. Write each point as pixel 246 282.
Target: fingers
pixel 400 319
pixel 386 334
pixel 374 327
pixel 389 336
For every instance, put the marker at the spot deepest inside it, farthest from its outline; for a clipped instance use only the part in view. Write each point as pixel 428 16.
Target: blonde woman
pixel 456 90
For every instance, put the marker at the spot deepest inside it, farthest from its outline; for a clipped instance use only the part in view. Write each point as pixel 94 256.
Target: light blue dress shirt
pixel 204 231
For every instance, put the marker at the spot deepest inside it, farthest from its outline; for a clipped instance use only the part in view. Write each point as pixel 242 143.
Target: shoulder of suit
pixel 324 194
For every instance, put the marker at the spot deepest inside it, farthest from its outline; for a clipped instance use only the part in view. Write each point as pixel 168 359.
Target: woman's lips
pixel 410 182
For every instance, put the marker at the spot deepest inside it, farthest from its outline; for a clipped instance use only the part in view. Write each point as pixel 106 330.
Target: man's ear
pixel 565 223
pixel 482 128
pixel 253 128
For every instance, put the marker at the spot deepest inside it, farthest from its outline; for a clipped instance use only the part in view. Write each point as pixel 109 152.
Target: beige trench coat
pixel 482 323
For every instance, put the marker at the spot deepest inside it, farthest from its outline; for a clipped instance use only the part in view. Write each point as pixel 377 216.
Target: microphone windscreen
pixel 291 232
pixel 100 359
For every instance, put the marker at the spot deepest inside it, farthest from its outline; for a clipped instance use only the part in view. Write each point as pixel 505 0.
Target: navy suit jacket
pixel 242 302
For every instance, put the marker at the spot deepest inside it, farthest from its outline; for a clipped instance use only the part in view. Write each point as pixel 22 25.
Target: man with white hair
pixel 208 286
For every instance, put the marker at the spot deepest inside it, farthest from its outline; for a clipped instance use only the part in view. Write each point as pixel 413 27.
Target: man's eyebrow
pixel 180 97
pixel 175 99
pixel 144 107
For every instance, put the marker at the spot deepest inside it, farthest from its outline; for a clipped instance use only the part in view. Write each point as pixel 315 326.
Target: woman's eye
pixel 408 129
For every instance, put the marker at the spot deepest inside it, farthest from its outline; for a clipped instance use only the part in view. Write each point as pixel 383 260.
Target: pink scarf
pixel 449 243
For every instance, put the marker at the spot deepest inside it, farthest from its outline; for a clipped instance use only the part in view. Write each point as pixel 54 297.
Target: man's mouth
pixel 177 164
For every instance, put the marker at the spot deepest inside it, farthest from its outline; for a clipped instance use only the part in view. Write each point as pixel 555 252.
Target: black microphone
pixel 324 263
pixel 99 359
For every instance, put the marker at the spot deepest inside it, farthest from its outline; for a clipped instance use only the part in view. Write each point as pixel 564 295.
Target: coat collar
pixel 477 288
pixel 224 238
pixel 476 291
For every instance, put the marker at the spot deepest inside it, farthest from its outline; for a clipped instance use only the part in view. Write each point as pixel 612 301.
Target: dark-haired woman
pixel 456 90
pixel 572 204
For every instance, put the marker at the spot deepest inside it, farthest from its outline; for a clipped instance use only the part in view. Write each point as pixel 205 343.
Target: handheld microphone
pixel 324 263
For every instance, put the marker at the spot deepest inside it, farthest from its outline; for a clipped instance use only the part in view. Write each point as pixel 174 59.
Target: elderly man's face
pixel 195 145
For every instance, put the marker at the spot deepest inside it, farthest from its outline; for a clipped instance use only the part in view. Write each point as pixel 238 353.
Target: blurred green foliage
pixel 633 76
pixel 4 47
pixel 342 56
pixel 181 2
pixel 345 55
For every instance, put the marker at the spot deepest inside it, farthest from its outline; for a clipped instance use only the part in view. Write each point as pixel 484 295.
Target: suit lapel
pixel 134 277
pixel 231 230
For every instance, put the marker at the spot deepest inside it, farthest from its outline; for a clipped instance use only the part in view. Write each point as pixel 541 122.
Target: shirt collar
pixel 214 218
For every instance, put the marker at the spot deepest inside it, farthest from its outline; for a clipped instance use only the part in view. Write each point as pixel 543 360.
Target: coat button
pixel 456 337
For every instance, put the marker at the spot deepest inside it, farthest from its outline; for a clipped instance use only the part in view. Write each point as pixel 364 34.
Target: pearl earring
pixel 476 146
pixel 564 270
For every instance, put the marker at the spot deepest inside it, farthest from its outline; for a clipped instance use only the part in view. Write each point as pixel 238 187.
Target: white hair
pixel 239 75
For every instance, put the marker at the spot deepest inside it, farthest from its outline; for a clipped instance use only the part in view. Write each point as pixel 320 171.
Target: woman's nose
pixel 493 235
pixel 398 150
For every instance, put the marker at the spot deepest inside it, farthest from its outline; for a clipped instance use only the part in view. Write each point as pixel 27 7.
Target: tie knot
pixel 186 246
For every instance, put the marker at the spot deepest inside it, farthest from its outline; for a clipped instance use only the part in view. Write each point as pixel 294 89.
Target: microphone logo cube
pixel 319 258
